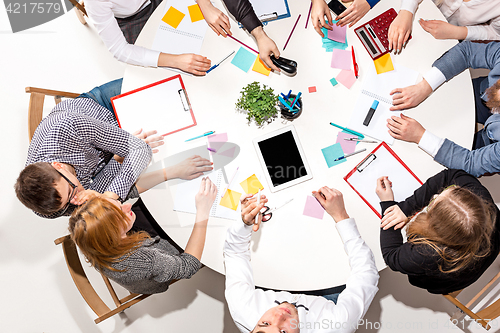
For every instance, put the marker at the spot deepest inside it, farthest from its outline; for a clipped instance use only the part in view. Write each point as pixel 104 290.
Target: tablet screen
pixel 282 158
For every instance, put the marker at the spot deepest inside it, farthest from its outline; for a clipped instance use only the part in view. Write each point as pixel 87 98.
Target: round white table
pixel 293 251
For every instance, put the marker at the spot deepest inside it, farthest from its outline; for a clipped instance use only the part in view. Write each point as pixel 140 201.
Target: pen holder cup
pixel 286 113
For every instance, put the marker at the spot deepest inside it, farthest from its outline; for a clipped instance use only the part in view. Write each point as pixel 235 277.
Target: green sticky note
pixel 333 82
pixel 331 153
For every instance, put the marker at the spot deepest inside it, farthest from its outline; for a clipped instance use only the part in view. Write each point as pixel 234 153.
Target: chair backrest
pixel 85 287
pixel 35 109
pixel 483 316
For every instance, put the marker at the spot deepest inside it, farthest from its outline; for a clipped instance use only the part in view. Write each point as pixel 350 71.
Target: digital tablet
pixel 282 158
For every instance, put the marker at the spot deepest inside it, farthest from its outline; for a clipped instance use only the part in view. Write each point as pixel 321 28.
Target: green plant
pixel 259 103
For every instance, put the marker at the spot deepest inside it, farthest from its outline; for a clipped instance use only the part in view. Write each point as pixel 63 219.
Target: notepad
pixel 178 35
pixel 378 87
pixel 184 200
pixel 162 106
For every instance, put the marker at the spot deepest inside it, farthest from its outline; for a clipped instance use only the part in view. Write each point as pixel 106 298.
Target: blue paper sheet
pixel 331 153
pixel 244 59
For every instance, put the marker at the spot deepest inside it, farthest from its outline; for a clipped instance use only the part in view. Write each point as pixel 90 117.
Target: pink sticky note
pixel 313 208
pixel 216 141
pixel 347 78
pixel 341 59
pixel 347 146
pixel 338 33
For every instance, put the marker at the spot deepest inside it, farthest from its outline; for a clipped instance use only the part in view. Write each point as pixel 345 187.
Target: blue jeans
pixel 103 94
pixel 332 297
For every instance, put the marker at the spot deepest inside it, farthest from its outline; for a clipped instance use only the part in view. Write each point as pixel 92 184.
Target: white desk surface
pixel 292 251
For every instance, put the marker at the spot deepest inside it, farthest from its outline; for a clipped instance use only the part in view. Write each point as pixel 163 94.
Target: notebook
pixel 162 106
pixel 184 200
pixel 382 161
pixel 378 87
pixel 187 37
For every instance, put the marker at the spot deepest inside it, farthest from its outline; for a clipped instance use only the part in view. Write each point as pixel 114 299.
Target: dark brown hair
pixel 493 95
pixel 96 227
pixel 458 226
pixel 35 188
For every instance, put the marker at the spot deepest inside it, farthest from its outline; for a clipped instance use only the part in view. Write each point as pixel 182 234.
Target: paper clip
pixel 366 162
pixel 184 100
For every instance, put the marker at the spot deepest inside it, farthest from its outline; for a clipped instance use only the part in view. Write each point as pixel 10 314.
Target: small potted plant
pixel 260 104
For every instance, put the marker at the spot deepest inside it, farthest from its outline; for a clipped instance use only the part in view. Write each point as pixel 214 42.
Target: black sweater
pixel 243 12
pixel 420 262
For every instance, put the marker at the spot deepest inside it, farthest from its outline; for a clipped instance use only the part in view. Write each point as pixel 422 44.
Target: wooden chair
pixel 483 316
pixel 87 291
pixel 35 109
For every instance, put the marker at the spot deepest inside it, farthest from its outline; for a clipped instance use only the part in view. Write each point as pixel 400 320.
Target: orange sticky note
pixel 231 199
pixel 260 67
pixel 384 64
pixel 173 17
pixel 195 13
pixel 251 185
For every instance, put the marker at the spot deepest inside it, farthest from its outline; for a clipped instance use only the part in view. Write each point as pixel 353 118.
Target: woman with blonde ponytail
pixel 452 226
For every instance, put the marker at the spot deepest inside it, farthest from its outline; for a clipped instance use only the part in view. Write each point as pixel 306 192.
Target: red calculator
pixel 373 34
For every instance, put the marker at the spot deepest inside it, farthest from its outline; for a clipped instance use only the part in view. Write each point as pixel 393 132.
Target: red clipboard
pixel 382 161
pixel 163 106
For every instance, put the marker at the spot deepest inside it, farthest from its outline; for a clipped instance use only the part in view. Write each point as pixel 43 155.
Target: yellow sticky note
pixel 231 199
pixel 195 13
pixel 260 67
pixel 384 64
pixel 173 17
pixel 251 185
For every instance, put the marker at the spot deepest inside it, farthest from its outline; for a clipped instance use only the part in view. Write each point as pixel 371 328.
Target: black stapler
pixel 286 65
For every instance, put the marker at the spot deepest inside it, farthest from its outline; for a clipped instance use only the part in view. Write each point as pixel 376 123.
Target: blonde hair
pixel 458 227
pixel 96 227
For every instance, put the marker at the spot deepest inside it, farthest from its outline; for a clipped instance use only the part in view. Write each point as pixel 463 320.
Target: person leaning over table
pixel 139 260
pixel 467 20
pixel 351 15
pixel 243 12
pixel 485 156
pixel 78 150
pixel 257 310
pixel 119 23
pixel 453 231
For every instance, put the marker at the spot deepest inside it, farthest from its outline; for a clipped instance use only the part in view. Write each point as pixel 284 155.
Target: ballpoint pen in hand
pixel 258 202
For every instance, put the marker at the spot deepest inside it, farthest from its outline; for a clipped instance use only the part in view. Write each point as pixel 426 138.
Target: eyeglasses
pixel 71 194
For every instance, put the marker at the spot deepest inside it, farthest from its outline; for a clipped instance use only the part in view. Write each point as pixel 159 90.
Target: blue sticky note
pixel 331 153
pixel 329 44
pixel 333 82
pixel 244 59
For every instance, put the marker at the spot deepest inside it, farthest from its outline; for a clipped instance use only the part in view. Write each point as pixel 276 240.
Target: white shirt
pixel 247 304
pixel 481 17
pixel 103 13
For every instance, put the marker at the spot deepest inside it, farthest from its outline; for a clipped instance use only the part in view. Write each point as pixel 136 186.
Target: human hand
pixel 204 199
pixel 318 11
pixel 443 30
pixel 249 209
pixel 192 63
pixel 384 189
pixel 409 97
pixel 405 128
pixel 191 168
pixel 152 141
pixel 353 13
pixel 266 48
pixel 332 201
pixel 393 217
pixel 216 19
pixel 82 196
pixel 399 31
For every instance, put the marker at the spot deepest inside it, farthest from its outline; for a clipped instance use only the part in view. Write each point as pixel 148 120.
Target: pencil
pixel 307 18
pixel 243 44
pixel 298 18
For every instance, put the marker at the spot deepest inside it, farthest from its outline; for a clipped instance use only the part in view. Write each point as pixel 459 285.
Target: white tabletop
pixel 292 251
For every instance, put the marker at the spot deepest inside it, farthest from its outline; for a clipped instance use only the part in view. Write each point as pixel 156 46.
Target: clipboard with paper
pixel 163 106
pixel 270 10
pixel 382 161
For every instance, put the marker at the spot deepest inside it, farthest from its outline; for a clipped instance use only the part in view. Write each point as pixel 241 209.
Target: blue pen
pixel 288 95
pixel 217 65
pixel 200 136
pixel 348 130
pixel 345 156
pixel 296 99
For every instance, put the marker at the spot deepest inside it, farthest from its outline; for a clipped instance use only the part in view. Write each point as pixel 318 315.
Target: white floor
pixel 37 292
